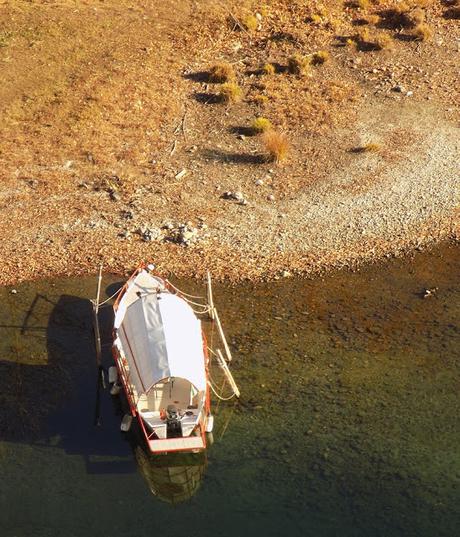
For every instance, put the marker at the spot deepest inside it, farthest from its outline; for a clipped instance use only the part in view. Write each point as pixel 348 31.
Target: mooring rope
pixel 219 396
pixel 182 292
pixel 110 297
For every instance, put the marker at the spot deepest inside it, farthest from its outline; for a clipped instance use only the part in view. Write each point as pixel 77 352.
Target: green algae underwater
pixel 348 423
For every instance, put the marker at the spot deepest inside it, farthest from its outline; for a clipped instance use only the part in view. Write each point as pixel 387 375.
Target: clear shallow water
pixel 348 425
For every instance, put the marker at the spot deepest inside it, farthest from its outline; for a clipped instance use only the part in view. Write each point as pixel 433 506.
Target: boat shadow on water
pixel 48 387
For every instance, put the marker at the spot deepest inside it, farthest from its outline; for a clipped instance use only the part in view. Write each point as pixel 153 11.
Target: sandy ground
pixel 113 148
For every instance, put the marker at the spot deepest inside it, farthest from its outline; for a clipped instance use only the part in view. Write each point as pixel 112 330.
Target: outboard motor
pixel 173 422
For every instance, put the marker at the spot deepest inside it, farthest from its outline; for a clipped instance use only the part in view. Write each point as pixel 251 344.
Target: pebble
pixel 148 234
pixel 398 89
pixel 259 182
pixel 181 174
pixel 236 196
pixel 114 196
pixel 14 291
pixel 271 197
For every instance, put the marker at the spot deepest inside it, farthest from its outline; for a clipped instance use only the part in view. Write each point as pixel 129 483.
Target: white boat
pixel 162 359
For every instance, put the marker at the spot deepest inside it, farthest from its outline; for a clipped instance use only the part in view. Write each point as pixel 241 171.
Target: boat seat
pixel 154 421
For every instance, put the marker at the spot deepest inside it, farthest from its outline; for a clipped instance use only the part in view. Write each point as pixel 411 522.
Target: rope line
pixel 219 396
pixel 182 292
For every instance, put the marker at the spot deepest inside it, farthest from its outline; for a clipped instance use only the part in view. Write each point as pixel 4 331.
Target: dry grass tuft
pixel 264 11
pixel 371 19
pixel 315 18
pixel 260 125
pixel 298 65
pixel 260 99
pixel 382 41
pixel 423 32
pixel 401 8
pixel 320 57
pixel 251 23
pixel 361 4
pixel 222 72
pixel 276 145
pixel 416 17
pixel 268 69
pixel 230 93
pixel 422 3
pixel 365 40
pixel 371 147
pixel 351 43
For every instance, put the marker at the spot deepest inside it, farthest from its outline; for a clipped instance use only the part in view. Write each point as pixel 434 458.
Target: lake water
pixel 348 423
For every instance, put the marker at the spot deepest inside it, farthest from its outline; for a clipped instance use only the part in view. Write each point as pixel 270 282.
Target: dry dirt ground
pixel 115 145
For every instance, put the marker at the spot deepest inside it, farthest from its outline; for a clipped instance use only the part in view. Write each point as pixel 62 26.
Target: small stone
pixel 148 234
pixel 286 274
pixel 259 182
pixel 409 93
pixel 398 89
pixel 126 234
pixel 114 196
pixel 14 291
pixel 128 215
pixel 271 197
pixel 241 137
pixel 181 174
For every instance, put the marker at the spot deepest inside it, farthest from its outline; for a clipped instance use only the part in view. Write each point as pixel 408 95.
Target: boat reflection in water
pixel 174 477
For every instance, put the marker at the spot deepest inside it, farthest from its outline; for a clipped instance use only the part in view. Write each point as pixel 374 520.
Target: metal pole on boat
pixel 97 334
pixel 224 366
pixel 210 298
pixel 222 336
pixel 98 348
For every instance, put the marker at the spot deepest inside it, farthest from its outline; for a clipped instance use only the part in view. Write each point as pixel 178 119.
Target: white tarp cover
pixel 160 336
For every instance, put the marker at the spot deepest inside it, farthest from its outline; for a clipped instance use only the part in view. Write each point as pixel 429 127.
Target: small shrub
pixel 382 41
pixel 230 93
pixel 363 36
pixel 416 16
pixel 351 43
pixel 422 32
pixel 268 69
pixel 221 72
pixel 318 58
pixel 251 23
pixel 260 99
pixel 276 145
pixel 401 8
pixel 372 41
pixel 422 3
pixel 371 147
pixel 298 65
pixel 371 19
pixel 260 125
pixel 315 18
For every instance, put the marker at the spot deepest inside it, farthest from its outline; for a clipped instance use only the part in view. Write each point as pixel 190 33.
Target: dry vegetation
pixel 221 72
pixel 106 103
pixel 276 145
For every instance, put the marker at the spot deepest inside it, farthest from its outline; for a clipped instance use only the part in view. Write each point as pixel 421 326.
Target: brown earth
pixel 105 103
